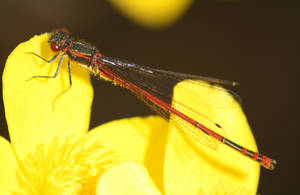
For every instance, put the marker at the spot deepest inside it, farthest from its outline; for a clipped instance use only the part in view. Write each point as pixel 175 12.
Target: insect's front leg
pixel 49 61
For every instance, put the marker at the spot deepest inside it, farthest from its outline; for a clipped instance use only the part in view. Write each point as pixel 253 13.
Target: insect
pixel 153 86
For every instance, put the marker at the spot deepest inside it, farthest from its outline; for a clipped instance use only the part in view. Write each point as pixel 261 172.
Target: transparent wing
pixel 160 84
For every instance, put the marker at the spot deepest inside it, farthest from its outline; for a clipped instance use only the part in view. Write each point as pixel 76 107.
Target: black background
pixel 253 43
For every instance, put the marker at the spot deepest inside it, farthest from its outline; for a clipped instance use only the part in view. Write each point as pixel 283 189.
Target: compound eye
pixel 55 47
pixel 64 30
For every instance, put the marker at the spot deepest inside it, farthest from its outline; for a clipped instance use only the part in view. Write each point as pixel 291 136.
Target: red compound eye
pixel 55 47
pixel 64 30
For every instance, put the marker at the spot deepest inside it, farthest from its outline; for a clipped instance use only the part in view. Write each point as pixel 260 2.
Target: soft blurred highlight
pixel 154 14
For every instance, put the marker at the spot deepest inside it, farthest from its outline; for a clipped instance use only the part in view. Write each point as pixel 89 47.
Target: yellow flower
pixel 52 152
pixel 153 13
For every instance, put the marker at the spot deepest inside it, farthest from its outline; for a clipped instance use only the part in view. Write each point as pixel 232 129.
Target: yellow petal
pixel 140 140
pixel 32 113
pixel 8 168
pixel 153 13
pixel 126 178
pixel 193 168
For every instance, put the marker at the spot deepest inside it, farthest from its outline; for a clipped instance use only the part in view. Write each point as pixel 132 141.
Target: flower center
pixel 69 166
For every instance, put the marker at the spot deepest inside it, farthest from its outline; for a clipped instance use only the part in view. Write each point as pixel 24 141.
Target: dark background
pixel 253 43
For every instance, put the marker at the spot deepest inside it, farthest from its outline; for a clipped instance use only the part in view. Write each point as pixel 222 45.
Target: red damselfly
pixel 149 88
